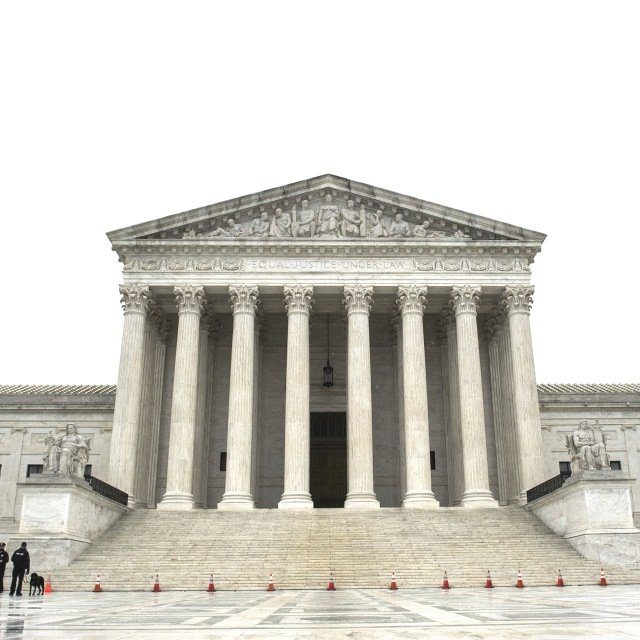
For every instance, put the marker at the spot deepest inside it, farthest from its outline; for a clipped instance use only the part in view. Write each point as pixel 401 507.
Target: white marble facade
pixel 227 310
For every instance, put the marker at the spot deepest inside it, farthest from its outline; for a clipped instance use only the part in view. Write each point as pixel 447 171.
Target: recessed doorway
pixel 328 459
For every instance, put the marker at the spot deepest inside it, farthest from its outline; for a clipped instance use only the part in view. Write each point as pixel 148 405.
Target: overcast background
pixel 115 113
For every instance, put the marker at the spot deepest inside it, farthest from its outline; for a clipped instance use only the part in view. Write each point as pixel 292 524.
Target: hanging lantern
pixel 328 369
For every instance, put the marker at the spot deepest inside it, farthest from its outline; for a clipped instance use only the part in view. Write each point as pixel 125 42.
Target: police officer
pixel 4 558
pixel 21 564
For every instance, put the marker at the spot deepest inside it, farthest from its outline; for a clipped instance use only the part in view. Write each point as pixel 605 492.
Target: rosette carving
pixel 134 298
pixel 298 298
pixel 358 298
pixel 189 299
pixel 244 299
pixel 411 299
pixel 517 299
pixel 465 299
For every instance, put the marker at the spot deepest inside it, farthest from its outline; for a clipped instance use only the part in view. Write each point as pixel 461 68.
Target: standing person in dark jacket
pixel 21 564
pixel 4 558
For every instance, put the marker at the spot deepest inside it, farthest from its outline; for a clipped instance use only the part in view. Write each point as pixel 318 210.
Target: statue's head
pixel 72 429
pixel 278 211
pixel 305 204
pixel 328 198
pixel 264 216
pixel 583 424
pixel 398 217
pixel 231 223
pixel 350 204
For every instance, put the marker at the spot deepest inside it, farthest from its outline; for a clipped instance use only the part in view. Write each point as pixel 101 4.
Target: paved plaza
pixel 546 612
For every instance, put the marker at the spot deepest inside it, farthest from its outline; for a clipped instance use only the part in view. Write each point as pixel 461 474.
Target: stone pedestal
pixel 61 516
pixel 593 511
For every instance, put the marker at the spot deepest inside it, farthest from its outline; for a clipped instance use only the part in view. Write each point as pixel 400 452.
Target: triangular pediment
pixel 326 208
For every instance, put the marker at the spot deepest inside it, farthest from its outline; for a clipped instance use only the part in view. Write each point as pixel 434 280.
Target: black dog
pixel 36 584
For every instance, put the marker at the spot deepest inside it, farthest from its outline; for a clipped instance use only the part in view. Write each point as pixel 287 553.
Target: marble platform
pixel 546 612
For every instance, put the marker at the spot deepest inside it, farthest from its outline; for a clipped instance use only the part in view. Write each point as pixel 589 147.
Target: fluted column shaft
pixel 298 301
pixel 517 302
pixel 508 413
pixel 126 413
pixel 455 434
pixel 474 442
pixel 237 493
pixel 358 300
pixel 418 495
pixel 179 491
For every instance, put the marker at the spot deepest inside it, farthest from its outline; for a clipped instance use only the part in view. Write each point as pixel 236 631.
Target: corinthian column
pixel 179 492
pixel 358 300
pixel 237 494
pixel 298 301
pixel 476 491
pixel 126 413
pixel 411 301
pixel 517 303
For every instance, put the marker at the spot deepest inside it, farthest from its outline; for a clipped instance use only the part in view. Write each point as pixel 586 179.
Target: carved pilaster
pixel 189 299
pixel 465 299
pixel 517 299
pixel 298 299
pixel 358 298
pixel 411 299
pixel 134 298
pixel 244 299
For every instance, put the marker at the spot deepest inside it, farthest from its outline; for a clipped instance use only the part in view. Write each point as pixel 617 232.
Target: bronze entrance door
pixel 328 459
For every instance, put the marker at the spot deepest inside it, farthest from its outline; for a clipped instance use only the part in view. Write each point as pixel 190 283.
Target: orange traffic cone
pixel 332 585
pixel 96 587
pixel 488 584
pixel 445 582
pixel 212 587
pixel 559 580
pixel 603 580
pixel 47 585
pixel 520 583
pixel 156 584
pixel 271 586
pixel 394 585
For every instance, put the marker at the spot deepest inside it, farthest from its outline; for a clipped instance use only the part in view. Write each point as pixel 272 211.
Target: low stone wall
pixel 593 512
pixel 60 517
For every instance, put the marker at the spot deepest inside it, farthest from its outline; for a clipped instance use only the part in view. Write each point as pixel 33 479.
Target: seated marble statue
pixel 67 453
pixel 586 446
pixel 304 221
pixel 351 223
pixel 399 228
pixel 374 224
pixel 328 218
pixel 259 228
pixel 280 224
pixel 421 230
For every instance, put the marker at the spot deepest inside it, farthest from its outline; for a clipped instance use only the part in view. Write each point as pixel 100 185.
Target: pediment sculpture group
pixel 587 448
pixel 329 221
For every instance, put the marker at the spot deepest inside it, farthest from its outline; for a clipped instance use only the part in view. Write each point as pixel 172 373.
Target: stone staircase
pixel 360 548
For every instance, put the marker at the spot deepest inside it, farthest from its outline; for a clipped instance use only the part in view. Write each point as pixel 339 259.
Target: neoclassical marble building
pixel 329 343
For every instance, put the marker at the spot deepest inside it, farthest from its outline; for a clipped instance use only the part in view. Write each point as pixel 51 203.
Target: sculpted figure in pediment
pixel 232 230
pixel 303 222
pixel 399 227
pixel 351 224
pixel 421 230
pixel 280 224
pixel 259 227
pixel 329 218
pixel 459 234
pixel 375 229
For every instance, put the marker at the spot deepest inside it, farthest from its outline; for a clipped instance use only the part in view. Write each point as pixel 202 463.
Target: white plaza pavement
pixel 545 612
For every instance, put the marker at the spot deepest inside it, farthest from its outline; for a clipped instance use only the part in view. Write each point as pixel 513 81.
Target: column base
pixel 176 502
pixel 236 502
pixel 361 500
pixel 293 500
pixel 478 499
pixel 420 500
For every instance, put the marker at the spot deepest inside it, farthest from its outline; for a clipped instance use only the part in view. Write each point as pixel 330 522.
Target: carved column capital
pixel 189 299
pixel 411 299
pixel 465 299
pixel 298 299
pixel 134 298
pixel 244 299
pixel 517 299
pixel 358 298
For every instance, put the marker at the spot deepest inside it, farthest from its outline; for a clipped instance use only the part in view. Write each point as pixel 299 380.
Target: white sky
pixel 115 113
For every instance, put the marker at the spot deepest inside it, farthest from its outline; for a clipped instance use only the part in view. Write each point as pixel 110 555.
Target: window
pixel 615 465
pixel 223 461
pixel 32 469
pixel 432 456
pixel 87 470
pixel 565 468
